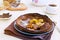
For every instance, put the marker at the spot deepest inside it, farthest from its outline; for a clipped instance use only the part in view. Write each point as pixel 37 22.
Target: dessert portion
pixel 4 15
pixel 34 23
pixel 9 2
pixel 14 5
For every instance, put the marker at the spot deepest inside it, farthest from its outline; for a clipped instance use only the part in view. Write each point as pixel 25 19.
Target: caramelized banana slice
pixel 34 21
pixel 40 20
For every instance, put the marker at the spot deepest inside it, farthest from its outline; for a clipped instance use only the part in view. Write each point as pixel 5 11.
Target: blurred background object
pixel 14 3
pixel 44 2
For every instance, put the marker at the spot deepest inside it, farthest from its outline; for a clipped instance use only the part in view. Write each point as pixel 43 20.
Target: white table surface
pixel 16 14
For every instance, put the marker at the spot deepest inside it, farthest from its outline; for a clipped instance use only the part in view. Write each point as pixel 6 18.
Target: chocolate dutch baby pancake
pixel 34 23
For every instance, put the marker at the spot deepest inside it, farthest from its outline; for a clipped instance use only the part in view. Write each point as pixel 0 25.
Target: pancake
pixel 34 23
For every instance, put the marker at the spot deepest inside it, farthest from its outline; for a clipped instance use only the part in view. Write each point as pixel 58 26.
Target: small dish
pixel 52 9
pixel 29 34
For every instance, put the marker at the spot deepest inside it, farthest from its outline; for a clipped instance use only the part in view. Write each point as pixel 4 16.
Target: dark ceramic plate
pixel 29 34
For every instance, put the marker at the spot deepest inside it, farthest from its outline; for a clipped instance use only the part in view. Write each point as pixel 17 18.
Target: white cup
pixel 52 9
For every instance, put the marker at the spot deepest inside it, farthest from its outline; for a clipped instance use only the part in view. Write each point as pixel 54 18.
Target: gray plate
pixel 29 34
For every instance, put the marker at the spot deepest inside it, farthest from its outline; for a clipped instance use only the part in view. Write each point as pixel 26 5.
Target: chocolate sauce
pixel 52 5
